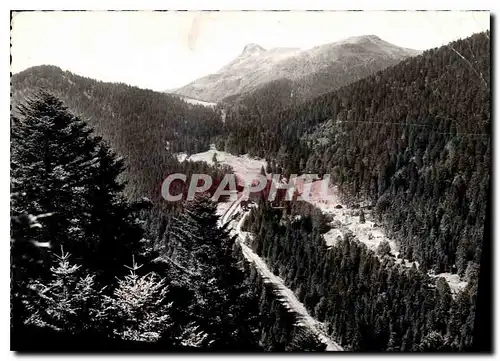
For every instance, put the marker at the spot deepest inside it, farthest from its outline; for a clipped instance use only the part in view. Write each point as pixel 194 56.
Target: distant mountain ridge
pixel 311 72
pixel 141 125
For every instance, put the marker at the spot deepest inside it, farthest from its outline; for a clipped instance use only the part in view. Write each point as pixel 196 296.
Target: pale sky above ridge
pixel 165 50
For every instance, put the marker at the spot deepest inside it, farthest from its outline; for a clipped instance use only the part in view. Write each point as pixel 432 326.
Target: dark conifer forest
pixel 413 139
pixel 100 261
pixel 143 126
pixel 367 303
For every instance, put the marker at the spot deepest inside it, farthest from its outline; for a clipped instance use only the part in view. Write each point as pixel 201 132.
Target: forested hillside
pixel 413 139
pixel 143 126
pixel 73 233
pixel 366 301
pixel 100 261
pixel 92 271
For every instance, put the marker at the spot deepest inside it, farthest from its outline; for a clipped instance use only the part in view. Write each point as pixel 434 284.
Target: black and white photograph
pixel 250 181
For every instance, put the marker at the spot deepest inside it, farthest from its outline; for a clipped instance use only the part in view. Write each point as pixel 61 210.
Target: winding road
pixel 286 295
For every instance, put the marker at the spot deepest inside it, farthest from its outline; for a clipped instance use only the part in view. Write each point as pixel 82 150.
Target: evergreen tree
pixel 214 159
pixel 432 342
pixel 384 248
pixel 304 341
pixel 69 302
pixel 362 216
pixel 138 307
pixel 225 305
pixel 60 169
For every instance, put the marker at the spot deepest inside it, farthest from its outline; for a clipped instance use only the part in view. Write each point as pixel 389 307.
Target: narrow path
pixel 286 295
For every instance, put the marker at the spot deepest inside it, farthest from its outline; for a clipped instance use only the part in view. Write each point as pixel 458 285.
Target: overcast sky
pixel 165 50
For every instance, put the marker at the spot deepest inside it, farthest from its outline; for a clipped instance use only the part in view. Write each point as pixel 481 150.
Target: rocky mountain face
pixel 306 73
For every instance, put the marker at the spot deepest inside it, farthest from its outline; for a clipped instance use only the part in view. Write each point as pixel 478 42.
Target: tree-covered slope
pixel 141 125
pixel 414 139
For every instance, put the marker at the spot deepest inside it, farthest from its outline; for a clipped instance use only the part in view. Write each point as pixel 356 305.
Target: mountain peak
pixel 361 38
pixel 252 48
pixel 257 69
pixel 370 37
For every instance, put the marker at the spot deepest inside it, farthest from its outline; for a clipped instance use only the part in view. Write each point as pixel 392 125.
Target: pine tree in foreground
pixel 69 302
pixel 225 308
pixel 139 307
pixel 61 169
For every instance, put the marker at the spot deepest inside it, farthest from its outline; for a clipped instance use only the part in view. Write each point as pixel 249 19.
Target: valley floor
pixel 345 219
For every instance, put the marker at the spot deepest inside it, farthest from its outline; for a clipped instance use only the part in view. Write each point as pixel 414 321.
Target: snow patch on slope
pixel 245 167
pixel 198 102
pixel 453 280
pixel 346 219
